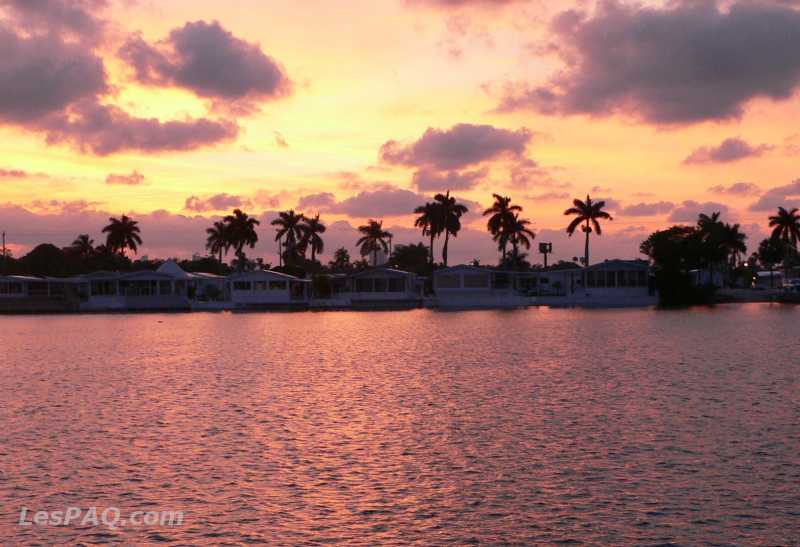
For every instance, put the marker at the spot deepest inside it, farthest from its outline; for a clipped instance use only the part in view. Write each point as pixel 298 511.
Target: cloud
pixel 211 62
pixel 41 75
pixel 217 202
pixel 787 195
pixel 689 210
pixel 321 201
pixel 13 174
pixel 431 180
pixel 647 209
pixel 107 129
pixel 729 150
pixel 133 179
pixel 685 63
pixel 280 140
pixel 55 87
pixel 737 189
pixel 76 18
pixel 549 196
pixel 460 3
pixel 461 146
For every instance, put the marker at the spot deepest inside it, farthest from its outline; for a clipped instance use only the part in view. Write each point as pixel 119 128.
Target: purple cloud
pixel 729 150
pixel 217 202
pixel 689 210
pixel 647 209
pixel 431 180
pixel 132 179
pixel 13 174
pixel 322 201
pixel 209 61
pixel 787 195
pixel 75 17
pixel 461 146
pixel 680 64
pixel 737 189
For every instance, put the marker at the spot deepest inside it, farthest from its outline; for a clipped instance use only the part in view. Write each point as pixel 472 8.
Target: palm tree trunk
pixel 431 250
pixel 444 249
pixel 586 248
pixel 375 257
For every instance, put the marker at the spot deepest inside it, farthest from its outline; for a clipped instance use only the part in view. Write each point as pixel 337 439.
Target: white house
pixel 267 290
pixel 476 287
pixel 385 288
pixel 610 283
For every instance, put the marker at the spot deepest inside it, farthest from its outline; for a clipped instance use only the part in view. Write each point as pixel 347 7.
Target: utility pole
pixel 545 249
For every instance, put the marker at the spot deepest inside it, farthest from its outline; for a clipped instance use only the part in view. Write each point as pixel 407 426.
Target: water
pixel 532 426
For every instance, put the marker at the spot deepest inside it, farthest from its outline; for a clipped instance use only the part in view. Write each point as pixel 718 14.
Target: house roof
pixel 382 270
pixel 616 264
pixel 266 275
pixel 170 267
pixel 464 267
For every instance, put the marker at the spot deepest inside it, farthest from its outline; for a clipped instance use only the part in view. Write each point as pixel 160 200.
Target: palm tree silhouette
pixel 83 246
pixel 786 226
pixel 288 225
pixel 430 221
pixel 217 241
pixel 122 233
pixel 241 230
pixel 519 234
pixel 502 213
pixel 587 213
pixel 450 212
pixel 374 238
pixel 311 229
pixel 732 241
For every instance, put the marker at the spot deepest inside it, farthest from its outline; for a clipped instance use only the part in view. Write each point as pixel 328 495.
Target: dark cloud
pixel 737 189
pixel 728 151
pixel 461 146
pixel 77 18
pixel 787 195
pixel 55 87
pixel 41 75
pixel 132 179
pixel 647 209
pixel 431 180
pixel 13 174
pixel 322 201
pixel 211 62
pixel 106 129
pixel 685 63
pixel 689 210
pixel 217 202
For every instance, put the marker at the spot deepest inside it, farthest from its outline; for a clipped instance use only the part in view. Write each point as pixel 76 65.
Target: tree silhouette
pixel 587 214
pixel 450 212
pixel 373 239
pixel 122 233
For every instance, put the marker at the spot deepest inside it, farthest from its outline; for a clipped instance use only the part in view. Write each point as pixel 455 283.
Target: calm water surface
pixel 535 426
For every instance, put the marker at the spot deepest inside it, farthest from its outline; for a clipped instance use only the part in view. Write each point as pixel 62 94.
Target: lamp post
pixel 545 249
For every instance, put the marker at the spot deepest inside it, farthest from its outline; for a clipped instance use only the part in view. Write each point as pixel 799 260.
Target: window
pixel 476 281
pixel 241 285
pixel 641 278
pixel 600 279
pixel 10 288
pixel 611 279
pixel 57 289
pixel 364 285
pixel 448 281
pixel 591 281
pixel 37 289
pixel 165 287
pixel 261 285
pixel 397 285
pixel 104 288
pixel 380 285
pixel 277 285
pixel 622 279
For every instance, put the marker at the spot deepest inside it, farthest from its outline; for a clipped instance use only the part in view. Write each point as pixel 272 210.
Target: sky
pixel 177 112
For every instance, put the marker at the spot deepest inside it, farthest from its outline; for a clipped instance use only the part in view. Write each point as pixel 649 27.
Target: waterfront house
pixel 267 289
pixel 610 283
pixel 476 287
pixel 385 288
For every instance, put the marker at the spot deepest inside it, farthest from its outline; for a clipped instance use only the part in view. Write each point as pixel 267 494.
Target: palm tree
pixel 450 212
pixel 430 221
pixel 771 252
pixel 519 234
pixel 122 233
pixel 311 229
pixel 587 213
pixel 83 246
pixel 786 226
pixel 502 212
pixel 217 241
pixel 288 225
pixel 374 238
pixel 732 241
pixel 241 230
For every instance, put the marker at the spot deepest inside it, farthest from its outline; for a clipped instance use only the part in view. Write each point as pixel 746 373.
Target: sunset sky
pixel 175 112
